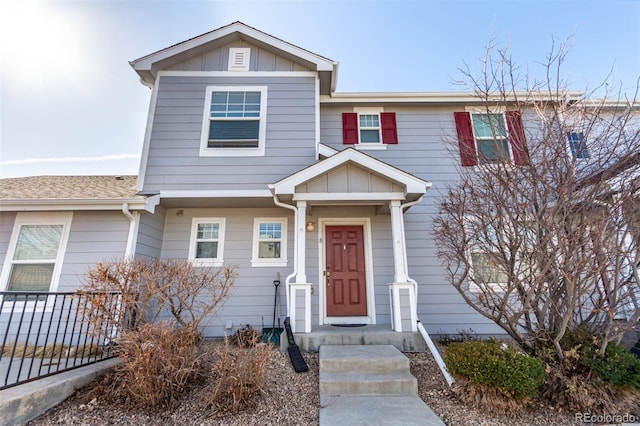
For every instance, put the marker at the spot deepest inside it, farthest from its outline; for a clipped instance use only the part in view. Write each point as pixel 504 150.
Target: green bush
pixel 618 367
pixel 494 363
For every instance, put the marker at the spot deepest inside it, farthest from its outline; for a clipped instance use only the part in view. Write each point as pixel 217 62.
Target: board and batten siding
pixel 174 161
pixel 218 60
pixel 252 297
pixel 427 148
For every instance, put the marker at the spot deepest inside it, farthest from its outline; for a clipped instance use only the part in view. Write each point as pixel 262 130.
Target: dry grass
pixel 239 375
pixel 51 350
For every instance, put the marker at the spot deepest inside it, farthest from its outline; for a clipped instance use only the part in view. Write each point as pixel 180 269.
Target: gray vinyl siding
pixel 94 237
pixel 252 298
pixel 150 233
pixel 7 220
pixel 174 161
pixel 218 60
pixel 427 148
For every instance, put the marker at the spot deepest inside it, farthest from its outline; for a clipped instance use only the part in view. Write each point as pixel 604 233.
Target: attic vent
pixel 239 58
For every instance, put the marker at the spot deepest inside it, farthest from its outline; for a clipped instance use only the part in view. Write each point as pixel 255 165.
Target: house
pixel 251 158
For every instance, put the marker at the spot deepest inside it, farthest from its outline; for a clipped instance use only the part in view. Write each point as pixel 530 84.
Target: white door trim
pixel 368 262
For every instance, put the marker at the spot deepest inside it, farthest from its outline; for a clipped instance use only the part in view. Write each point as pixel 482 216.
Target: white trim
pixel 205 151
pixel 282 260
pixel 365 222
pixel 147 204
pixel 217 261
pixel 348 196
pixel 142 170
pixel 65 219
pixel 465 98
pixel 317 124
pixel 241 53
pixel 370 146
pixel 217 193
pixel 326 151
pixel 261 74
pixel 146 62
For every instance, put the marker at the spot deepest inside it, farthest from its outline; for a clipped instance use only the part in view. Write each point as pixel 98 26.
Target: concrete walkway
pixel 370 384
pixel 22 403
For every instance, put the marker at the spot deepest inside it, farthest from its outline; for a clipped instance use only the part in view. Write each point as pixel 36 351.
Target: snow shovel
pixel 299 364
pixel 272 335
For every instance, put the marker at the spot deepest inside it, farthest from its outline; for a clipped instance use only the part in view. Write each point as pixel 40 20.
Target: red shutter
pixel 517 138
pixel 349 128
pixel 466 140
pixel 389 128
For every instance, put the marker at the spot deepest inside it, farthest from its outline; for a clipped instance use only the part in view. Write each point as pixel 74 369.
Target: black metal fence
pixel 45 333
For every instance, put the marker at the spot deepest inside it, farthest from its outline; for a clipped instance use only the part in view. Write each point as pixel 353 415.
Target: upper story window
pixel 490 133
pixel 578 145
pixel 269 242
pixel 369 128
pixel 207 241
pixel 486 138
pixel 234 121
pixel 36 249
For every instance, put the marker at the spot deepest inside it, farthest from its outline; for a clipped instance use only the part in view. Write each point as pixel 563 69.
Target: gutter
pixel 287 280
pixel 132 238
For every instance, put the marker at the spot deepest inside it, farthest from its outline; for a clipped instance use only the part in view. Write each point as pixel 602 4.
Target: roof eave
pixel 79 204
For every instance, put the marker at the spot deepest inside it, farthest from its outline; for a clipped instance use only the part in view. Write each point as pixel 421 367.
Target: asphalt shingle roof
pixel 68 187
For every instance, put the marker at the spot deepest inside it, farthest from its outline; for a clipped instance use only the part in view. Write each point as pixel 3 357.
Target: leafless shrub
pixel 247 337
pixel 152 310
pixel 555 238
pixel 239 376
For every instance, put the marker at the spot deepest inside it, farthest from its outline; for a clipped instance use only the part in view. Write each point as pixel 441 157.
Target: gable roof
pixel 414 186
pixel 72 193
pixel 149 65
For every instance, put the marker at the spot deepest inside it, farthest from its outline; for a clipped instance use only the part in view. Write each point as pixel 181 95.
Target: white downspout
pixel 421 329
pixel 287 281
pixel 132 239
pixel 403 207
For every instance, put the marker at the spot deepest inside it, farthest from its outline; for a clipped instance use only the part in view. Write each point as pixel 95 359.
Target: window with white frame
pixel 489 254
pixel 36 251
pixel 490 133
pixel 269 242
pixel 369 126
pixel 578 145
pixel 206 246
pixel 234 121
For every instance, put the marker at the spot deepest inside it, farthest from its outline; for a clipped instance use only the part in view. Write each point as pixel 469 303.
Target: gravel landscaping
pixel 290 399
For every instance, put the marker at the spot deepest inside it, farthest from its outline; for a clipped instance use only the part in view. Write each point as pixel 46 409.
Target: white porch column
pixel 399 243
pixel 301 250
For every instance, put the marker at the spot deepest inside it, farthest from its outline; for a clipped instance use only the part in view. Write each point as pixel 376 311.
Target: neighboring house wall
pixel 426 148
pixel 6 226
pixel 94 237
pixel 174 161
pixel 150 233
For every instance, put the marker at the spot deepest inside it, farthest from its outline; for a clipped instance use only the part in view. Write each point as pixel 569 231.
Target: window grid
pixel 369 125
pixel 490 133
pixel 578 145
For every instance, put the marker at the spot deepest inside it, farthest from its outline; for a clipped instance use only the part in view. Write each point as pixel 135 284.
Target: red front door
pixel 345 271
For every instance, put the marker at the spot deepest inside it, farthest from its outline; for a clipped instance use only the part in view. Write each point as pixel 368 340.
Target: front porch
pixel 373 334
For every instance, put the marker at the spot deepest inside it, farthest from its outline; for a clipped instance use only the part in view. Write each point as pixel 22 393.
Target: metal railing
pixel 44 333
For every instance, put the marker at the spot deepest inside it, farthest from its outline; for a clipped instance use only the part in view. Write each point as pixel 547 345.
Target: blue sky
pixel 71 104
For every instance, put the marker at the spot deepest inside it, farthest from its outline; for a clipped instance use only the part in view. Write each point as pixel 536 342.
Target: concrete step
pixel 376 410
pixel 366 335
pixel 358 359
pixel 368 384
